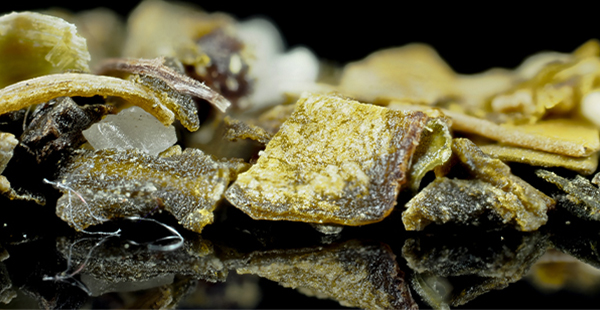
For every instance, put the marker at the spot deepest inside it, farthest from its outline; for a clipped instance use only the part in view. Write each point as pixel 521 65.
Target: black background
pixel 472 38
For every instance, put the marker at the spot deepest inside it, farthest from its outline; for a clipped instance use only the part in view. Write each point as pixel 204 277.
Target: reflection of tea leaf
pixel 355 273
pixel 471 267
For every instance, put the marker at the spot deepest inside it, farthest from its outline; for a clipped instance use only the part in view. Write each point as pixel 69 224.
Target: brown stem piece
pixel 156 68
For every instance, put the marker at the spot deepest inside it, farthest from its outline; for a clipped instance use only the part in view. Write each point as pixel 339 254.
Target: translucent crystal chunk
pixel 132 128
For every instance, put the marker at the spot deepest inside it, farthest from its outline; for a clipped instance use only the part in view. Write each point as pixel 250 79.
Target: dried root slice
pixel 582 199
pixel 535 203
pixel 33 44
pixel 107 184
pixel 333 161
pixel 583 165
pixel 354 273
pixel 45 88
pixel 179 82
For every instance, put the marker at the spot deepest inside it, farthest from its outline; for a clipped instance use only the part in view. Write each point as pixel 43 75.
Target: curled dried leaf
pixel 435 149
pixel 45 88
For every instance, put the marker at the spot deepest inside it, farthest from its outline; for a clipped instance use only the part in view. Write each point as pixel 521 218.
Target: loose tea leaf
pixel 333 161
pixel 107 184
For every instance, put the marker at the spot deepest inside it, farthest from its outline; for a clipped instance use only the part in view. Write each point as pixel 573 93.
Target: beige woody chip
pixel 333 161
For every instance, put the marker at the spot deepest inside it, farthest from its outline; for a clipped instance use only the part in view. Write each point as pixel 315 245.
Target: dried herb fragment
pixel 535 204
pixel 462 201
pixel 33 44
pixel 355 273
pixel 56 126
pixel 582 199
pixel 333 161
pixel 108 184
pixel 157 69
pixel 583 165
pixel 45 88
pixel 435 149
pixel 239 130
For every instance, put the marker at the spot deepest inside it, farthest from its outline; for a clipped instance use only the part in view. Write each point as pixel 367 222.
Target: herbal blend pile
pixel 189 113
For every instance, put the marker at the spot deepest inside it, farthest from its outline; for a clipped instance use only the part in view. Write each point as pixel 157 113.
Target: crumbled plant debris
pixel 239 130
pixel 105 184
pixel 56 126
pixel 581 199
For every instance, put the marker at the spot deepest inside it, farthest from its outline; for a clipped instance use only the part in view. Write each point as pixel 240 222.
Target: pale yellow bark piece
pixel 333 161
pixel 560 136
pixel 584 165
pixel 33 44
pixel 414 72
